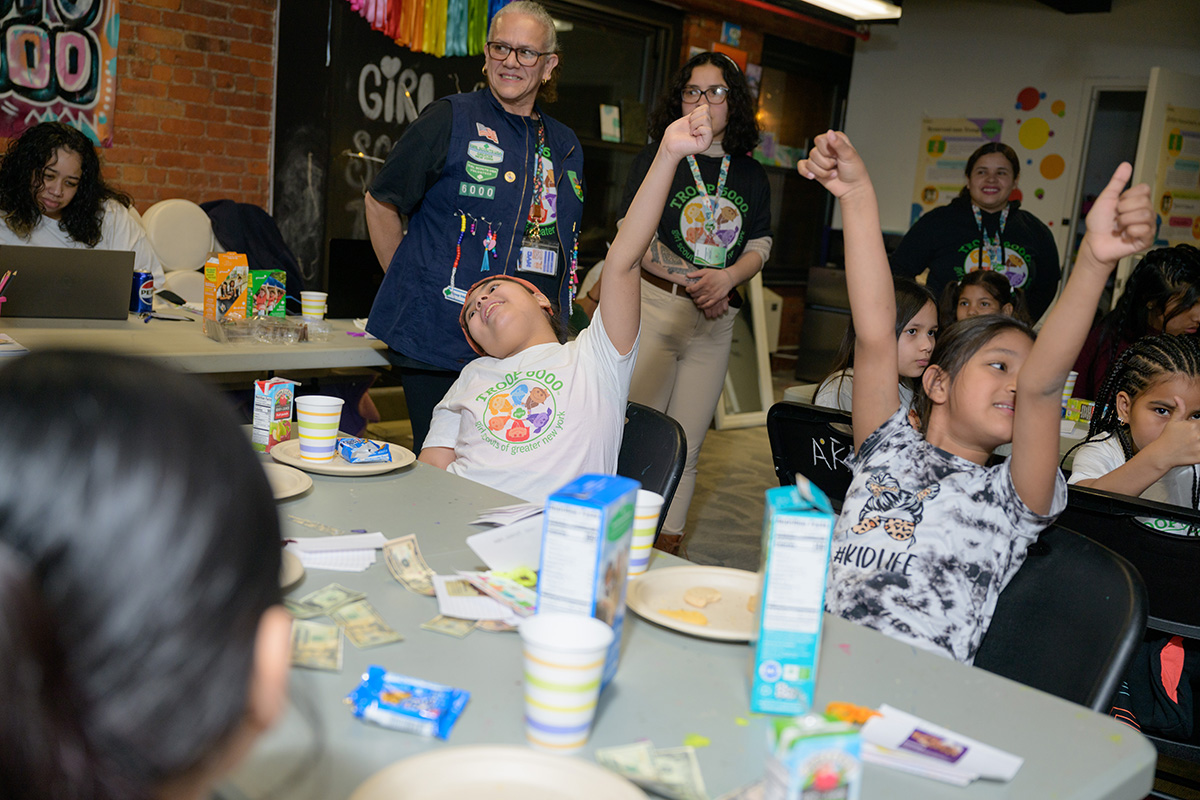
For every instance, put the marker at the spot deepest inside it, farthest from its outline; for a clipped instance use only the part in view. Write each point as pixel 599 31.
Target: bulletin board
pixel 946 144
pixel 1177 178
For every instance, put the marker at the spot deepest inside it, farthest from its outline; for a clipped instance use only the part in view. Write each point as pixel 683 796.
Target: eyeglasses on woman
pixel 525 57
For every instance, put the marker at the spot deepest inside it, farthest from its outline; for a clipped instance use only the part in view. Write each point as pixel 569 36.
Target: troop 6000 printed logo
pixel 523 412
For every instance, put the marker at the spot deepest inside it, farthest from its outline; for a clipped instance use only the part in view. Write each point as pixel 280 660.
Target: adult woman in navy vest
pixel 479 203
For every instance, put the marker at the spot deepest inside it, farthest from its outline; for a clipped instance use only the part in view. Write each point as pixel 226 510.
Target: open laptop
pixel 67 282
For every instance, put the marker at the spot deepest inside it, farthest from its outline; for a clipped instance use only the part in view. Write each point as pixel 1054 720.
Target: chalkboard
pixel 355 103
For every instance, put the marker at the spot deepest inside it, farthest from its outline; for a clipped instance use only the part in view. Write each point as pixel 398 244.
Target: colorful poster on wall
pixel 59 63
pixel 946 144
pixel 1177 179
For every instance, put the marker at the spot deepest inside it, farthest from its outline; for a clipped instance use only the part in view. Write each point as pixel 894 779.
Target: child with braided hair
pixel 1144 439
pixel 1162 295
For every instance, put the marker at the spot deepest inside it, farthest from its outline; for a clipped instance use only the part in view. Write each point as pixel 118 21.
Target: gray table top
pixel 184 346
pixel 669 684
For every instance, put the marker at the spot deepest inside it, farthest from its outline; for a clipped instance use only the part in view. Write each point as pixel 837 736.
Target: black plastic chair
pixel 1168 562
pixel 653 449
pixel 1069 621
pixel 814 442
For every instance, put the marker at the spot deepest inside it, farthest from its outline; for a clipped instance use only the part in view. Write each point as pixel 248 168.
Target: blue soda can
pixel 141 298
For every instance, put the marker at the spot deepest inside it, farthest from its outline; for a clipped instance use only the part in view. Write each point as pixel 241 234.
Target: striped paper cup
pixel 312 304
pixel 645 523
pixel 317 420
pixel 564 659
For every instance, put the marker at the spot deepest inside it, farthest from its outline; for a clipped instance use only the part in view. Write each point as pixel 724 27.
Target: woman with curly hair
pixel 714 234
pixel 52 194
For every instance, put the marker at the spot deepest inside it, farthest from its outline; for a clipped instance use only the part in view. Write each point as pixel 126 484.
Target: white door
pixel 1168 158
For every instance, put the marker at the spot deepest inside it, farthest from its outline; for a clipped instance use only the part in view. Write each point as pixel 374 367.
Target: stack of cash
pixel 316 645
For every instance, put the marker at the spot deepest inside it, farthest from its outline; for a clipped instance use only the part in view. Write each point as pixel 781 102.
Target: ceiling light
pixel 860 10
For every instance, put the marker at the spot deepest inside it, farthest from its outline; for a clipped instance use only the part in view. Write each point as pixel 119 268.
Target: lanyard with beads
pixel 537 255
pixel 993 247
pixel 708 250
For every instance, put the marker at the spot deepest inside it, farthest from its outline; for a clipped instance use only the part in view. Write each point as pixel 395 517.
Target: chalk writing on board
pixel 404 93
pixel 830 452
pixel 59 64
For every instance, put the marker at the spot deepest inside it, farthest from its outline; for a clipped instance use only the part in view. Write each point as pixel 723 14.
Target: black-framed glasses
pixel 525 57
pixel 715 94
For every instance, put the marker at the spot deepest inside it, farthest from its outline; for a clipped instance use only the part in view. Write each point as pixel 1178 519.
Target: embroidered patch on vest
pixel 466 189
pixel 485 153
pixel 576 184
pixel 486 132
pixel 480 172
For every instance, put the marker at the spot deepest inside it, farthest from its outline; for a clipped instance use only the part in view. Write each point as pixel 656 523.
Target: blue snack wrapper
pixel 407 704
pixel 362 451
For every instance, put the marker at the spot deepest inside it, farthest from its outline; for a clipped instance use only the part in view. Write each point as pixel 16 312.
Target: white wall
pixel 970 58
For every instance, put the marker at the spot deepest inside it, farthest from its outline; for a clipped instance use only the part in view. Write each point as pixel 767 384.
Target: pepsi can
pixel 141 299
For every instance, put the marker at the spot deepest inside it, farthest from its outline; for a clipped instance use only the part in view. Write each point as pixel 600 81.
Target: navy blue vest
pixel 489 175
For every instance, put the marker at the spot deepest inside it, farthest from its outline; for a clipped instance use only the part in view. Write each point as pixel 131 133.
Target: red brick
pixel 133 174
pixel 205 44
pixel 139 122
pixel 138 69
pixel 259 20
pixel 204 8
pixel 156 175
pixel 244 84
pixel 156 35
pixel 262 69
pixel 191 94
pixel 137 12
pixel 167 4
pixel 163 108
pixel 263 87
pixel 222 130
pixel 184 127
pixel 244 149
pixel 184 22
pixel 227 30
pixel 256 52
pixel 233 99
pixel 144 88
pixel 207 112
pixel 182 58
pixel 223 80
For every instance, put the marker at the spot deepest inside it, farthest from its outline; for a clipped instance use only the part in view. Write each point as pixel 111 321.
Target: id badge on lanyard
pixel 539 256
pixel 709 253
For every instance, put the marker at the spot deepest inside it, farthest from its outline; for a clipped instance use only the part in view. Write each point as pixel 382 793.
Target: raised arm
pixel 620 292
pixel 1119 225
pixel 834 162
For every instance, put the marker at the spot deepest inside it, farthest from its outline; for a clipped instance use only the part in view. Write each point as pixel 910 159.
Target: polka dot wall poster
pixel 1177 179
pixel 1038 119
pixel 946 144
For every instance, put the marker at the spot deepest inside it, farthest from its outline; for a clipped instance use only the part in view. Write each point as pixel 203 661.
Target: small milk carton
pixel 797 531
pixel 813 759
pixel 272 413
pixel 226 286
pixel 268 293
pixel 586 535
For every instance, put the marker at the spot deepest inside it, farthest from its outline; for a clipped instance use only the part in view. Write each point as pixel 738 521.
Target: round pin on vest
pixel 510 176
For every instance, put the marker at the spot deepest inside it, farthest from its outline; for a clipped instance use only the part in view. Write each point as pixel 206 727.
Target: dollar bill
pixel 301 610
pixel 672 772
pixel 331 597
pixel 316 645
pixel 678 768
pixel 363 626
pixel 404 561
pixel 633 761
pixel 494 626
pixel 451 626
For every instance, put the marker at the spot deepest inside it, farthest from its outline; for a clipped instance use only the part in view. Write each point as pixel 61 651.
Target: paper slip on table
pixel 669 684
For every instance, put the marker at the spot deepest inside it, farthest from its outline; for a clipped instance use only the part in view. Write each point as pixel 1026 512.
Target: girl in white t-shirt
pixel 1144 439
pixel 929 535
pixel 534 413
pixel 53 194
pixel 916 329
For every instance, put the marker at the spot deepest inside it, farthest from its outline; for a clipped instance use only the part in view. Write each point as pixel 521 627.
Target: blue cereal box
pixel 586 534
pixel 797 531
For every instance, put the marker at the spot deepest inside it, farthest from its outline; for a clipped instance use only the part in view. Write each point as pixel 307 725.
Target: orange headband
pixel 542 300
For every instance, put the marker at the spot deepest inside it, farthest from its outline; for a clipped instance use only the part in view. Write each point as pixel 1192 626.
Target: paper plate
pixel 729 619
pixel 286 481
pixel 290 571
pixel 289 453
pixel 496 772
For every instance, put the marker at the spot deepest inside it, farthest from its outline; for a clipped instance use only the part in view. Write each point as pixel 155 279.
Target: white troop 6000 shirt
pixel 530 423
pixel 927 541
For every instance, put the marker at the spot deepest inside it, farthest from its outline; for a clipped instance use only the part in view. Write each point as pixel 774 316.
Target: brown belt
pixel 735 299
pixel 661 283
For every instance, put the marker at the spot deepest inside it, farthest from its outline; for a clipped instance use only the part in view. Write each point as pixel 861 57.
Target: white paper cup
pixel 1069 387
pixel 564 660
pixel 312 304
pixel 645 524
pixel 317 418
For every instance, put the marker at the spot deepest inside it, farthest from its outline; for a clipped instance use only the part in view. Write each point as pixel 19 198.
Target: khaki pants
pixel 680 371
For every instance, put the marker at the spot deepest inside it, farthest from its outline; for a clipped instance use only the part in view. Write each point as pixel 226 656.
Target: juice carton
pixel 813 759
pixel 797 531
pixel 226 285
pixel 268 293
pixel 586 535
pixel 272 413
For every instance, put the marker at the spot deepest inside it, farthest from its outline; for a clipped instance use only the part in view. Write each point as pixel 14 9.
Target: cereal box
pixel 226 286
pixel 586 534
pixel 797 531
pixel 268 293
pixel 272 413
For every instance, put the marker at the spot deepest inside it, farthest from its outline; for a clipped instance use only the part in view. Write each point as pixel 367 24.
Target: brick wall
pixel 195 93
